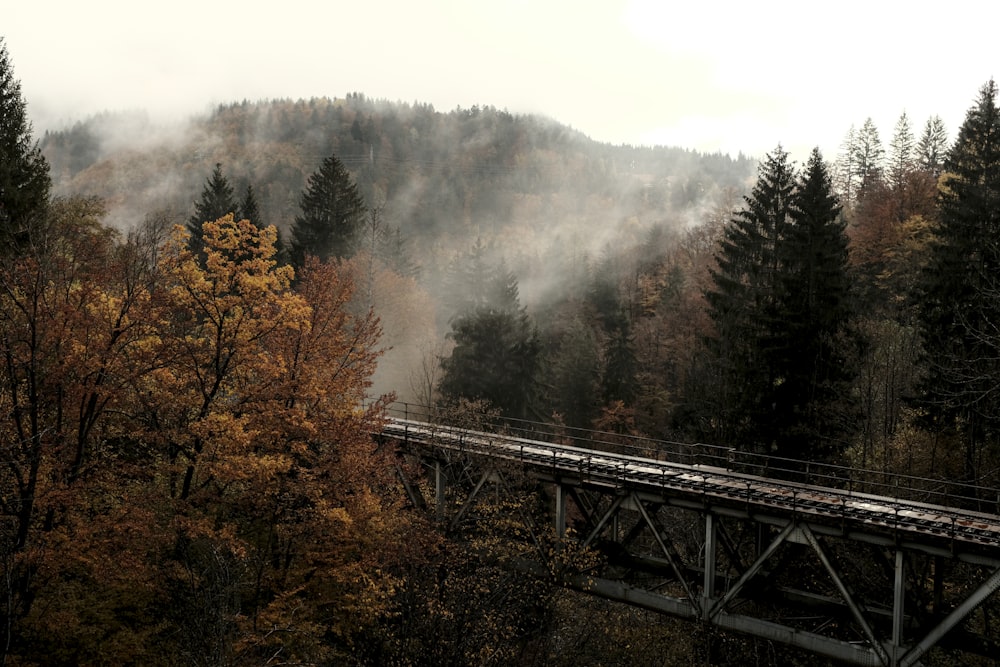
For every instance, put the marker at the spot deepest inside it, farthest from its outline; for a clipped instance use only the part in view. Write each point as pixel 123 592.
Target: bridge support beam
pixel 440 483
pixel 560 511
pixel 708 591
pixel 898 607
pixel 986 589
pixel 759 525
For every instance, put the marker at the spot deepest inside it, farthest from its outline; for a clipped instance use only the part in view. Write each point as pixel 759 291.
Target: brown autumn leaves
pixel 186 471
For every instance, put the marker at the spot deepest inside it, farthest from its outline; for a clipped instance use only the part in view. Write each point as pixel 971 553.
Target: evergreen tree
pixel 901 152
pixel 869 156
pixel 933 146
pixel 618 382
pixel 741 304
pixel 846 180
pixel 497 349
pixel 333 214
pixel 780 305
pixel 961 303
pixel 812 317
pixel 471 281
pixel 394 250
pixel 249 209
pixel 24 173
pixel 216 202
pixel 572 373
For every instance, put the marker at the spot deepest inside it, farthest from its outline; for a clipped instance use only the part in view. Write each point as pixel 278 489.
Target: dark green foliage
pixel 496 353
pixel 333 213
pixel 815 309
pixel 249 209
pixel 571 372
pixel 216 202
pixel 24 173
pixel 495 359
pixel 618 382
pixel 743 305
pixel 781 309
pixel 961 303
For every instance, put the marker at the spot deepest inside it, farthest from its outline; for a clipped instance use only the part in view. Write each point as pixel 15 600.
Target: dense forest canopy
pixel 201 326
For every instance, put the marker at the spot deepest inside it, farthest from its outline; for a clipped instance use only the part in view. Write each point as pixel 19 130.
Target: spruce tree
pixel 24 173
pixel 497 350
pixel 742 304
pixel 901 152
pixel 933 146
pixel 961 300
pixel 249 209
pixel 869 156
pixel 780 305
pixel 812 318
pixel 216 202
pixel 333 213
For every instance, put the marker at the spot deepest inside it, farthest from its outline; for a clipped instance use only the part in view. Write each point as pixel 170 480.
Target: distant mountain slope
pixel 435 176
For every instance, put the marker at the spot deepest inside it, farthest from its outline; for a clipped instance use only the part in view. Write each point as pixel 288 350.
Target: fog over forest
pixel 541 197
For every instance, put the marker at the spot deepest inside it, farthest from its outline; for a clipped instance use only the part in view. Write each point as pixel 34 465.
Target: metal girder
pixel 750 572
pixel 901 548
pixel 412 492
pixel 978 596
pixel 604 520
pixel 855 608
pixel 668 551
pixel 470 499
pixel 825 646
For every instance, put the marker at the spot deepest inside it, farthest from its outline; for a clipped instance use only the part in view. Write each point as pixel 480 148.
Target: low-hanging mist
pixel 540 197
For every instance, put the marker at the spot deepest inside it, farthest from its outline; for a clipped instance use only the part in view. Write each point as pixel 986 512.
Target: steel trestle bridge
pixel 813 559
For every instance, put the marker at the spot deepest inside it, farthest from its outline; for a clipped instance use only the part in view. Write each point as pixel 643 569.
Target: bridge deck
pixel 929 524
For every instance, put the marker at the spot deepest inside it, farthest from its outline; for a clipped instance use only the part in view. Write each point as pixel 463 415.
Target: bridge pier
pixel 708 585
pixel 560 512
pixel 898 607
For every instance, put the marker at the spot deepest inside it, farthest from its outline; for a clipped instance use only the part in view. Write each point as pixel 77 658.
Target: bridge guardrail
pixel 977 497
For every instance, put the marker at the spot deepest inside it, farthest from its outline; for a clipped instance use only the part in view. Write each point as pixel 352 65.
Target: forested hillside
pixel 550 204
pixel 434 175
pixel 200 327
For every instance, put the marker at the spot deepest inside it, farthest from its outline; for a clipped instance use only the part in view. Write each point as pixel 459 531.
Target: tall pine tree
pixel 496 356
pixel 780 305
pixel 961 304
pixel 333 213
pixel 933 146
pixel 216 202
pixel 741 303
pixel 811 321
pixel 24 173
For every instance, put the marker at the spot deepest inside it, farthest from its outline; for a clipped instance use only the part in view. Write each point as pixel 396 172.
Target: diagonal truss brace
pixel 667 550
pixel 470 499
pixel 855 608
pixel 607 516
pixel 752 571
pixel 986 589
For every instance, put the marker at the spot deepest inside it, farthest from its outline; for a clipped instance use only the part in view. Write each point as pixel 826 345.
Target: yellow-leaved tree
pixel 189 472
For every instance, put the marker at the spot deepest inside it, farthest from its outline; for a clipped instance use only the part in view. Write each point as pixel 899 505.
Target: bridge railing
pixel 937 491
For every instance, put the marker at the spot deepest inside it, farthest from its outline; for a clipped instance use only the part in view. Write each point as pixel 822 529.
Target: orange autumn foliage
pixel 188 462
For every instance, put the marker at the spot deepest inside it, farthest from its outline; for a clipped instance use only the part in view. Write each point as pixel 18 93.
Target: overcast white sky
pixel 728 75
